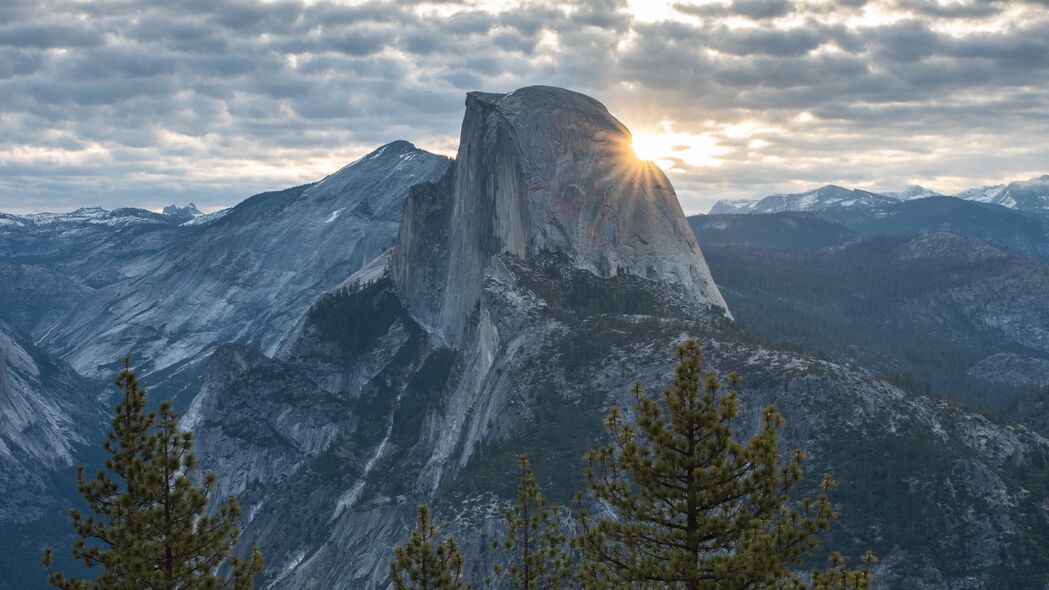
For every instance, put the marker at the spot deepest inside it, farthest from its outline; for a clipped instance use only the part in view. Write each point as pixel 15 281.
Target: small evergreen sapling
pixel 535 551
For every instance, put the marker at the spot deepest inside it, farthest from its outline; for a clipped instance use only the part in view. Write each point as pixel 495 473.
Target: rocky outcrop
pixel 542 171
pixel 182 214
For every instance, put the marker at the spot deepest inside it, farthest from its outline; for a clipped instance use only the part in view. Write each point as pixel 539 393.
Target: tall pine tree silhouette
pixel 149 528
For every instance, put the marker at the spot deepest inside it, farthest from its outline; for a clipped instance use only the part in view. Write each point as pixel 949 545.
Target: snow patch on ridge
pixel 334 215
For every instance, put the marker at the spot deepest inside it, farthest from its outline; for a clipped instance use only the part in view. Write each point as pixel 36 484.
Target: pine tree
pixel 150 529
pixel 424 563
pixel 535 548
pixel 689 506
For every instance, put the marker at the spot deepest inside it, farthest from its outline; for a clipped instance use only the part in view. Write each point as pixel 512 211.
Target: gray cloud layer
pixel 148 102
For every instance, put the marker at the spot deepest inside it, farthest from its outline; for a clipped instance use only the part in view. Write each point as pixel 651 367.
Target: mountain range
pixel 1023 195
pixel 400 331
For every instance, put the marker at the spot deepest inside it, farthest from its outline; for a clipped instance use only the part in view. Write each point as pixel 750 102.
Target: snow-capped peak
pixel 1026 195
pixel 981 194
pixel 915 191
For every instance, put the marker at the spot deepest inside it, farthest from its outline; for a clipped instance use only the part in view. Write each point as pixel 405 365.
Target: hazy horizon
pixel 212 208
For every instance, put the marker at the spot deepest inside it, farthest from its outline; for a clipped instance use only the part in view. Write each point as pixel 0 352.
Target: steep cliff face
pixel 47 413
pixel 43 405
pixel 539 171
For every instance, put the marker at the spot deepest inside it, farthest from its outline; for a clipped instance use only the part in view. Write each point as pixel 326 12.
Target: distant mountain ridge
pixel 170 289
pixel 825 197
pixel 946 294
pixel 1029 195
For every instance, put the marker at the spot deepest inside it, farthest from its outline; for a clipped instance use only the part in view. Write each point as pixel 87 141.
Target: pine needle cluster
pixel 424 562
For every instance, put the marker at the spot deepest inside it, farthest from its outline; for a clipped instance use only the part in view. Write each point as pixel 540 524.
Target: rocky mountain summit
pixel 183 214
pixel 507 317
pixel 541 172
pixel 1026 195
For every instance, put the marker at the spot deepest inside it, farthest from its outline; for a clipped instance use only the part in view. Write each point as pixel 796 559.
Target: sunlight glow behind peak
pixel 670 149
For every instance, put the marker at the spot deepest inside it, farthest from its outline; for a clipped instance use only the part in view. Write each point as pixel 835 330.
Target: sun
pixel 648 146
pixel 668 148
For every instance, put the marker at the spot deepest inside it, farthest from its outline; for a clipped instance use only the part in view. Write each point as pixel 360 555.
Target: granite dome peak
pixel 543 171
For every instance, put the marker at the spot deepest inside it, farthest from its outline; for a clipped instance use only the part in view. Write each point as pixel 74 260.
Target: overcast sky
pixel 144 103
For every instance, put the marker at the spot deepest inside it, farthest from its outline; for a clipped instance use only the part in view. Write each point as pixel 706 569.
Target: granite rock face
pixel 539 171
pixel 168 292
pixel 43 404
pixel 48 414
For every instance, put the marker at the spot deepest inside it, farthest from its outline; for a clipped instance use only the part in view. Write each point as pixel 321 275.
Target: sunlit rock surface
pixel 539 171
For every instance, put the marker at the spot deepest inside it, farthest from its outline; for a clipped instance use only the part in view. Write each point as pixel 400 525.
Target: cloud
pixel 124 102
pixel 952 8
pixel 754 9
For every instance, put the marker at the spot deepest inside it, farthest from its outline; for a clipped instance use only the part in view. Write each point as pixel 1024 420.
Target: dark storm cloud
pixel 47 35
pixel 145 102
